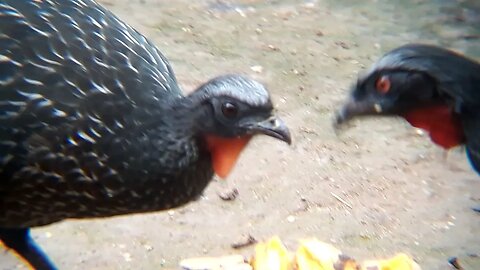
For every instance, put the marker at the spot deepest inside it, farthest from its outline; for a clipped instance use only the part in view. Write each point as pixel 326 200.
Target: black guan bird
pixel 433 88
pixel 93 123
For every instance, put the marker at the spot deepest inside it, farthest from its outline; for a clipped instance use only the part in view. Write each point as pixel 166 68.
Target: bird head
pixel 388 92
pixel 233 109
pixel 406 78
pixel 431 87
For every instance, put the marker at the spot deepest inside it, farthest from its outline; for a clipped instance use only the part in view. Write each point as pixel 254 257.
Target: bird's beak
pixel 354 108
pixel 273 127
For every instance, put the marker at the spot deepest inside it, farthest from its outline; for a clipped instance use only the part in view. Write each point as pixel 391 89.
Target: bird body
pixel 93 122
pixel 433 88
pixel 65 106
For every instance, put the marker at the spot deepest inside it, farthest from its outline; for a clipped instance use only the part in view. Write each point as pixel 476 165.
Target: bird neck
pixel 223 151
pixel 193 112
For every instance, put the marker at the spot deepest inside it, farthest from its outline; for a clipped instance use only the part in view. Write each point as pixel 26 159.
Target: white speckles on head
pixel 239 87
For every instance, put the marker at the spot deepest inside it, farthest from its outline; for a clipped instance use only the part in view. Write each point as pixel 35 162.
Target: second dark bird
pixel 433 88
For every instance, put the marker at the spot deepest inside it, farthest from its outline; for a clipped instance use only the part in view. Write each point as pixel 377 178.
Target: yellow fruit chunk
pixel 316 255
pixel 271 255
pixel 399 262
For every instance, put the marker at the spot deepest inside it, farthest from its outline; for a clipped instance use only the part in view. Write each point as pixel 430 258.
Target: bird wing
pixel 463 84
pixel 460 81
pixel 68 67
pixel 472 132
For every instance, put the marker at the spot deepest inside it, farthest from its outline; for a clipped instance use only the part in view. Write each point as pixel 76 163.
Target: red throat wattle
pixel 442 124
pixel 225 152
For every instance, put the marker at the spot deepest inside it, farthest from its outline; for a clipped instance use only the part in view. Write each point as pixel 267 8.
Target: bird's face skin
pixel 230 120
pixel 389 92
pixel 234 118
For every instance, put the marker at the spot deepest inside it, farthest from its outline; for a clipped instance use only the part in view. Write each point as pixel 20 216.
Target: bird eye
pixel 229 110
pixel 383 84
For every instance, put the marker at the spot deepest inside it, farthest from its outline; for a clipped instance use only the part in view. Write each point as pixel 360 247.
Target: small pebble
pixel 257 68
pixel 291 219
pixel 127 256
pixel 148 247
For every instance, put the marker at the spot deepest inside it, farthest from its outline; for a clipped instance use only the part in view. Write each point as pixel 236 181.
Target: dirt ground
pixel 401 193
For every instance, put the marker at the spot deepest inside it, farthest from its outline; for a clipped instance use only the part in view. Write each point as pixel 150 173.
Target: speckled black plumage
pixel 93 123
pixel 78 89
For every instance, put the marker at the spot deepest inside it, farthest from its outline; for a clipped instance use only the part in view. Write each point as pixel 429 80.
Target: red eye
pixel 383 84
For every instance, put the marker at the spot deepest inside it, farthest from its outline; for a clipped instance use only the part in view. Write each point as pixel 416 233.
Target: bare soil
pixel 401 193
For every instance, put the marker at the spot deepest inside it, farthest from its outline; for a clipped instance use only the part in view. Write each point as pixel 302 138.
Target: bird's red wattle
pixel 440 122
pixel 225 152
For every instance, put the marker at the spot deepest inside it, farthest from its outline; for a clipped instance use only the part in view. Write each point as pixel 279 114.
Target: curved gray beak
pixel 273 127
pixel 354 108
